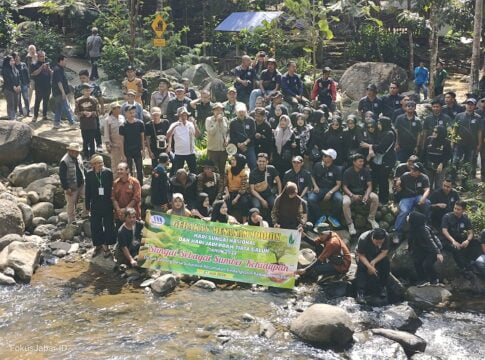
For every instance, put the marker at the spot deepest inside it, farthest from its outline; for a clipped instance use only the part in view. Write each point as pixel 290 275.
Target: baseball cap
pixel 330 152
pixel 372 87
pixel 297 158
pixel 182 110
pixel 131 92
pixel 231 89
pixel 326 69
pixel 218 105
pixel 471 100
pixel 418 166
pixel 321 228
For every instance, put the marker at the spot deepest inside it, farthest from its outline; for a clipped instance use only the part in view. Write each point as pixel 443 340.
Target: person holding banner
pixel 178 206
pixel 236 185
pixel 129 239
pixel 289 209
pixel 255 218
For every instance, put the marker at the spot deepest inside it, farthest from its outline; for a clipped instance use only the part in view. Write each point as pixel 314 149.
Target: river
pixel 72 311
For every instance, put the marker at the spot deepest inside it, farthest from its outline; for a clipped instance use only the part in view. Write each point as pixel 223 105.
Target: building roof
pixel 239 21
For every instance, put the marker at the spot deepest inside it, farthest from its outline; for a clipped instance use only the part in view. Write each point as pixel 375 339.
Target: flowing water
pixel 71 311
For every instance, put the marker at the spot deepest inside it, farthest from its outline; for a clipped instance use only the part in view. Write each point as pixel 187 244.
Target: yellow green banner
pixel 251 254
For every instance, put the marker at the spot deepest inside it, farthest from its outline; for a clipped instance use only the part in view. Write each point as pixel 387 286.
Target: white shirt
pixel 184 138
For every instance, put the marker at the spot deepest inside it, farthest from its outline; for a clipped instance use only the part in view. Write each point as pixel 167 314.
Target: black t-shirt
pixel 326 177
pixel 357 181
pixel 391 103
pixel 413 186
pixel 257 176
pixel 401 170
pixel 365 104
pixel 130 238
pixel 132 139
pixel 468 127
pixel 408 131
pixel 302 179
pixel 59 76
pixel 203 111
pixel 244 74
pixel 270 79
pixel 439 197
pixel 436 120
pixel 153 130
pixel 457 227
pixel 265 143
pixel 367 248
pixel 43 79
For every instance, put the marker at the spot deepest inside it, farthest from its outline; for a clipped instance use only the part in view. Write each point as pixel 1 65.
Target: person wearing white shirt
pixel 112 137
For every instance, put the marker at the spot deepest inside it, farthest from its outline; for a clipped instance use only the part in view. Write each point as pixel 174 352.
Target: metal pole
pixel 161 49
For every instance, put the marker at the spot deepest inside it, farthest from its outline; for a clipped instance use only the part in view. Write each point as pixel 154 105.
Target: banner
pixel 251 254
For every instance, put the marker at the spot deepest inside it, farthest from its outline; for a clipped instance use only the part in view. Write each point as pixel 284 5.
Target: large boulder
pixel 44 230
pixel 15 140
pixel 23 257
pixel 216 87
pixel 8 239
pixel 428 296
pixel 411 343
pixel 199 72
pixel 46 188
pixel 111 90
pixel 27 215
pixel 11 218
pixel 355 79
pixel 324 324
pixel 164 284
pixel 172 74
pixel 400 317
pixel 43 209
pixel 23 175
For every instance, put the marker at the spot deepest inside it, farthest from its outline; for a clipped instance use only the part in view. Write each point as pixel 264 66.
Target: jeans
pixel 41 95
pixel 138 164
pixel 62 106
pixel 265 213
pixel 465 154
pixel 418 88
pixel 94 69
pixel 407 205
pixel 88 136
pixel 250 157
pixel 373 283
pixel 314 200
pixel 179 160
pixel 24 94
pixel 254 95
pixel 12 102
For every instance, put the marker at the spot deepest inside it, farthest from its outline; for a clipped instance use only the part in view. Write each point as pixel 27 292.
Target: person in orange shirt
pixel 333 255
pixel 126 194
pixel 131 82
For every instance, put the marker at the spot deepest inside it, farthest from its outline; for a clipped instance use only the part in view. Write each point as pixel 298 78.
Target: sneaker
pixel 57 126
pixel 334 222
pixel 74 125
pixel 360 297
pixel 352 230
pixel 373 223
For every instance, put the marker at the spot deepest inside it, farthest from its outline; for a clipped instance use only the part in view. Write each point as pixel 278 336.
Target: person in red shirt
pixel 126 194
pixel 325 90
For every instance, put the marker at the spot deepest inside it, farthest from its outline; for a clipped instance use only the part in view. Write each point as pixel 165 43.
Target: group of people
pixel 273 157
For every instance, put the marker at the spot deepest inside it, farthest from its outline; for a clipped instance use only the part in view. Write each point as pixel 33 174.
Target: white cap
pixel 330 152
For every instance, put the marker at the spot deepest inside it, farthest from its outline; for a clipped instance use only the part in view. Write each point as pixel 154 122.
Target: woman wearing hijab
pixel 334 139
pixel 237 185
pixel 370 135
pixel 425 248
pixel 285 145
pixel 11 86
pixel 436 155
pixel 302 133
pixel 178 206
pixel 320 125
pixel 289 209
pixel 203 208
pixel 220 214
pixel 255 218
pixel 352 135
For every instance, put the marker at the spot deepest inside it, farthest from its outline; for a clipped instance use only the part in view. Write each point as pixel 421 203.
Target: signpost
pixel 159 26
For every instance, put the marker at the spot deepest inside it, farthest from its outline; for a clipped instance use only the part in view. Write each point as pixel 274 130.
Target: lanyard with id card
pixel 100 188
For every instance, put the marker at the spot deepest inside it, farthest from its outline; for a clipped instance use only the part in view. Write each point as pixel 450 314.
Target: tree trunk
pixel 411 45
pixel 434 45
pixel 134 9
pixel 477 32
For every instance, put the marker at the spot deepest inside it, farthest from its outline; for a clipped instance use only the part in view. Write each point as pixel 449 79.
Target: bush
pixel 43 37
pixel 7 26
pixel 114 60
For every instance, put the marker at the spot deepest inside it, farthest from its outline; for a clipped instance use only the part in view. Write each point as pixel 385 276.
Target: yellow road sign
pixel 159 42
pixel 159 25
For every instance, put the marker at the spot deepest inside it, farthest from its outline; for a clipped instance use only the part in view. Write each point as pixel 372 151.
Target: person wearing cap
pixel 245 77
pixel 131 82
pixel 156 131
pixel 357 187
pixel 255 218
pixel 301 177
pixel 325 90
pixel 400 170
pixel 133 133
pixel 421 80
pixel 94 43
pixel 162 96
pixel 181 134
pixel 189 92
pixel 452 108
pixel 202 108
pixel 326 179
pixel 217 127
pixel 289 209
pixel 469 131
pixel 276 100
pixel 60 90
pixel 99 184
pixel 436 118
pixel 409 133
pixel 112 138
pixel 292 86
pixel 241 133
pixel 415 190
pixel 130 97
pixel 210 182
pixel 391 101
pixel 159 188
pixel 263 138
pixel 180 100
pixel 71 175
pixel 333 255
pixel 269 83
pixel 373 265
pixel 371 102
pixel 87 110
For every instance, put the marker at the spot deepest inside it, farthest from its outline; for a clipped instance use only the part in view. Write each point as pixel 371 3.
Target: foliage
pixel 7 26
pixel 43 37
pixel 376 44
pixel 114 59
pixel 476 213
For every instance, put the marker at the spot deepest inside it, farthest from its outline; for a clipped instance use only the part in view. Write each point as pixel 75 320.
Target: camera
pixel 161 142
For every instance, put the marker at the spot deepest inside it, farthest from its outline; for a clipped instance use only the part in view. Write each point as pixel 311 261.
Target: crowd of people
pixel 275 155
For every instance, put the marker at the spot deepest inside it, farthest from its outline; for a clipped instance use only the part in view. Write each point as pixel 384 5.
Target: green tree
pixel 7 26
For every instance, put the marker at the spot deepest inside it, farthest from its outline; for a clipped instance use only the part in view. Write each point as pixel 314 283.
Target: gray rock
pixel 63 217
pixel 53 220
pixel 111 90
pixel 100 262
pixel 6 280
pixel 45 188
pixel 86 228
pixel 23 257
pixel 355 79
pixel 60 245
pixel 33 197
pixel 172 73
pixel 428 296
pixel 74 248
pixel 420 356
pixel 8 239
pixel 400 317
pixel 199 72
pixel 324 324
pixel 164 284
pixel 36 221
pixel 11 218
pixel 43 209
pixel 205 284
pixel 377 347
pixel 70 231
pixel 248 317
pixel 411 343
pixel 2 187
pixel 23 175
pixel 9 271
pixel 266 329
pixel 35 239
pixel 27 215
pixel 147 283
pixel 15 141
pixel 59 253
pixel 217 89
pixel 8 196
pixel 44 230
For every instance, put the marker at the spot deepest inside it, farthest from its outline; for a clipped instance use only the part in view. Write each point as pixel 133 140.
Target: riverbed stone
pixel 43 209
pixel 324 324
pixel 147 283
pixel 15 141
pixel 53 220
pixel 400 317
pixel 60 245
pixel 45 188
pixel 11 218
pixel 411 343
pixel 205 284
pixel 23 257
pixel 70 231
pixel 164 284
pixel 62 217
pixel 428 296
pixel 266 329
pixel 373 345
pixel 23 175
pixel 59 253
pixel 33 197
pixel 86 227
pixel 27 215
pixel 8 239
pixel 37 220
pixel 6 280
pixel 44 230
pixel 197 73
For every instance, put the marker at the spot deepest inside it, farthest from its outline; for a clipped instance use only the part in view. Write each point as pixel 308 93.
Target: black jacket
pixel 421 237
pixel 94 182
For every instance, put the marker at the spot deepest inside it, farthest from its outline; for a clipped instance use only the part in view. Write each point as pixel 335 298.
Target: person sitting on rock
pixel 479 264
pixel 178 206
pixel 210 182
pixel 425 248
pixel 401 169
pixel 255 218
pixel 373 267
pixel 289 209
pixel 442 202
pixel 160 184
pixel 357 186
pixel 129 239
pixel 333 255
pixel 185 183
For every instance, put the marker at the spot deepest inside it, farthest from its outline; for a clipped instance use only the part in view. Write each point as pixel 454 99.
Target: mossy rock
pixel 384 225
pixel 360 221
pixel 389 218
pixel 378 215
pixel 385 210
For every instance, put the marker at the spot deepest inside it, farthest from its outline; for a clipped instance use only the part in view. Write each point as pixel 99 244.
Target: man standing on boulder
pixel 93 48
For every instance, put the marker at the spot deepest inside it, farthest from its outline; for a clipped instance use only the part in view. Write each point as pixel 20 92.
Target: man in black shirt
pixel 60 90
pixel 373 267
pixel 189 92
pixel 442 202
pixel 409 132
pixel 391 101
pixel 203 108
pixel 401 110
pixel 370 102
pixel 263 138
pixel 42 74
pixel 24 84
pixel 179 101
pixel 133 132
pixel 156 131
pixel 357 186
pixel 451 107
pixel 129 239
pixel 159 189
pixel 437 118
pixel 268 84
pixel 326 179
pixel 242 132
pixel 276 100
pixel 301 177
pixel 245 78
